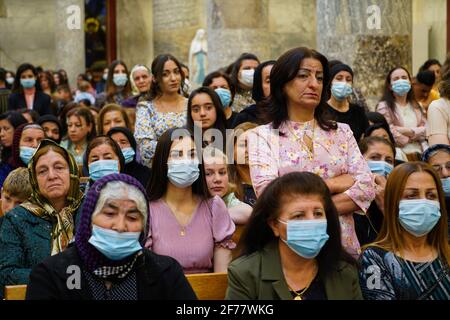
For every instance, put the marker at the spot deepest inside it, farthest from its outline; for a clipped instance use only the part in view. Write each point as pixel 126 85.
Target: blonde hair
pixel 210 156
pixel 17 183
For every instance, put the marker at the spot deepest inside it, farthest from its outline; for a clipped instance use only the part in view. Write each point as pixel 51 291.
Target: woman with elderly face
pixel 44 225
pixel 109 250
pixel 141 81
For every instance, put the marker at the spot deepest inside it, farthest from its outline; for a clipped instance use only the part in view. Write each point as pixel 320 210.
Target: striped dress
pixel 385 276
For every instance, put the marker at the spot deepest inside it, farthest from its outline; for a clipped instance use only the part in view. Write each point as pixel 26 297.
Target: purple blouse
pixel 191 245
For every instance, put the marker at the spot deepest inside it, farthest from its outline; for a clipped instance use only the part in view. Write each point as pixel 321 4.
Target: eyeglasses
pixel 440 167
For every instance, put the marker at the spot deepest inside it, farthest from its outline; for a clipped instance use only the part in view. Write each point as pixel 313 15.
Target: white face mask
pixel 10 80
pixel 246 77
pixel 186 86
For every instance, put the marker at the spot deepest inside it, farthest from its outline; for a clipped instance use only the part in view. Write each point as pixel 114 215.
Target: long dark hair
pixel 220 123
pixel 237 65
pixel 16 119
pixel 283 71
pixel 219 74
pixel 388 95
pixel 157 186
pixel 48 75
pixel 257 90
pixel 258 233
pixel 84 112
pixel 377 126
pixel 157 72
pixel 17 86
pixel 111 88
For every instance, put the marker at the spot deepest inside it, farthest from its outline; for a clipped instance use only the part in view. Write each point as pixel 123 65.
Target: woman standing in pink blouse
pixel 299 137
pixel 403 113
pixel 185 222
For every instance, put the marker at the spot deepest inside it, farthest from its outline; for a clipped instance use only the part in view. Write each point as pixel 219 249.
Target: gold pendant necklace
pixel 298 295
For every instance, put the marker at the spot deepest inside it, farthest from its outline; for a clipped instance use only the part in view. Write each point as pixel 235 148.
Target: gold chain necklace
pixel 304 146
pixel 298 295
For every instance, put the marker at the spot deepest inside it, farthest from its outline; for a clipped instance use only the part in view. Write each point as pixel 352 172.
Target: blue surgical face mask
pixel 306 237
pixel 128 154
pixel 115 245
pixel 341 90
pixel 225 96
pixel 446 186
pixel 183 173
pixel 120 79
pixel 401 87
pixel 26 153
pixel 101 168
pixel 381 168
pixel 28 83
pixel 419 216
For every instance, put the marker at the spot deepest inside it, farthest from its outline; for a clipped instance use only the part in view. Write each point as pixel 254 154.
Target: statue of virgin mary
pixel 198 62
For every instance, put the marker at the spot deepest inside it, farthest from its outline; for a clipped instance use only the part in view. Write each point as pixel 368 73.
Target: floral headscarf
pixel 63 221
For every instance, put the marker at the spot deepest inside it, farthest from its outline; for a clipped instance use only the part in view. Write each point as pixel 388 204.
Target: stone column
pixel 69 38
pixel 372 36
pixel 234 27
pixel 175 23
pixel 135 32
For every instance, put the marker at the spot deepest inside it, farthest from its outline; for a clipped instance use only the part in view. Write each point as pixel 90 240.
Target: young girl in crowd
pixel 217 179
pixel 205 112
pixel 118 87
pixel 186 223
pixel 221 83
pixel 81 130
pixel 111 116
pixel 166 108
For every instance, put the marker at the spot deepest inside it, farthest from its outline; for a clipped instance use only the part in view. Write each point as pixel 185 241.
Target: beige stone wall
pixel 135 31
pixel 175 23
pixel 27 33
pixel 292 23
pixel 432 14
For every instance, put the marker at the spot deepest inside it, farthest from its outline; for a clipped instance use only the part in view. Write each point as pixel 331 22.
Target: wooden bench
pixel 209 286
pixel 236 237
pixel 17 292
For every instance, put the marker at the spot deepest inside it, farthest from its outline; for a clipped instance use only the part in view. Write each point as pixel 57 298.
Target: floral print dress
pixel 274 153
pixel 151 124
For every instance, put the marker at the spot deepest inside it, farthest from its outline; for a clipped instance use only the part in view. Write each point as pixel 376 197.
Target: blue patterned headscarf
pixel 91 257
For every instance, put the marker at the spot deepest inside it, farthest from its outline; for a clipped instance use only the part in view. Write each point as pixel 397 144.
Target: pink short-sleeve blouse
pixel 191 245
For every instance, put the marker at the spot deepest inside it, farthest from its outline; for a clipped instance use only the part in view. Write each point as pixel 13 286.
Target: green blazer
pixel 259 276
